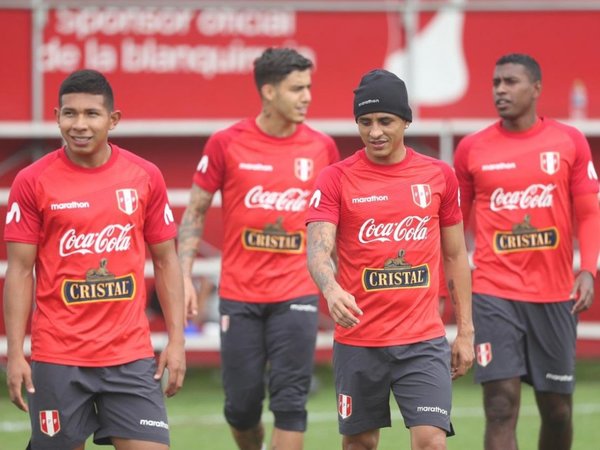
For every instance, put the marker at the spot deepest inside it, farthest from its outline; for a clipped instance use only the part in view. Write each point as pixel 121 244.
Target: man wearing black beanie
pixel 390 210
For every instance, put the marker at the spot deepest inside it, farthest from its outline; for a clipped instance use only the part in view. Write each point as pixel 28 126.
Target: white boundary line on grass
pixel 468 412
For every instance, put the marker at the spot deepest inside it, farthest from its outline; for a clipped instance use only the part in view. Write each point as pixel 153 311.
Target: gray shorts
pixel 70 403
pixel 417 374
pixel 532 341
pixel 280 336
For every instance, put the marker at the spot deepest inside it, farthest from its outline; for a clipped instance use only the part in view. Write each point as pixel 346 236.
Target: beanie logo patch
pixel 421 195
pixel 368 102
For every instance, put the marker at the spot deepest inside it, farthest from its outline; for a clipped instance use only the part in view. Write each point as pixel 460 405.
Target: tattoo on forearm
pixel 452 291
pixel 192 227
pixel 320 243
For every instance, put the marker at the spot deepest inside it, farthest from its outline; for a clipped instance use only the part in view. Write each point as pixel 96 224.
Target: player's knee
pixel 243 418
pixel 557 417
pixel 290 420
pixel 501 409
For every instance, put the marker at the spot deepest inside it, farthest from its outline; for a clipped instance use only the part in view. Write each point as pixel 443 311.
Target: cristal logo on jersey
pixel 273 238
pixel 524 236
pixel 127 199
pixel 533 196
pixel 344 406
pixel 410 228
pixel 303 168
pixel 396 273
pixel 112 238
pixel 292 199
pixel 14 213
pixel 49 422
pixel 484 353
pixel 421 195
pixel 99 285
pixel 550 162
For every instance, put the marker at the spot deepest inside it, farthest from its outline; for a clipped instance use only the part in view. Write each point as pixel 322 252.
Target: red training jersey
pixel 522 186
pixel 265 184
pixel 388 221
pixel 90 227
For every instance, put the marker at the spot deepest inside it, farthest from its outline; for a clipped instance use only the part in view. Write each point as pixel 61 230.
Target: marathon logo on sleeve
pixel 273 238
pixel 99 285
pixel 525 237
pixel 395 274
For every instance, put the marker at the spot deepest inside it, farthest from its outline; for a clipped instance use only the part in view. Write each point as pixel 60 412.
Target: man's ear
pixel 115 116
pixel 267 91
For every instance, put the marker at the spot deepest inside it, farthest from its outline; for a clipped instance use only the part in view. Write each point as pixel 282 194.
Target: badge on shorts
pixel 224 323
pixel 49 422
pixel 344 406
pixel 484 354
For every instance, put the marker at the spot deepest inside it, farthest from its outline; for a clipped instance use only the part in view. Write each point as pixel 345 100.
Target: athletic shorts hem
pixel 349 429
pixel 479 379
pixel 446 426
pixel 107 435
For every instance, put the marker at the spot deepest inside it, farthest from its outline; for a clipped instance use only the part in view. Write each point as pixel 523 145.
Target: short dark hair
pixel 276 63
pixel 530 64
pixel 87 81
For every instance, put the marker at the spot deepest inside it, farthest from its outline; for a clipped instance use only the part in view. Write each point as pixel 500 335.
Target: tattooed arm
pixel 320 244
pixel 189 238
pixel 458 276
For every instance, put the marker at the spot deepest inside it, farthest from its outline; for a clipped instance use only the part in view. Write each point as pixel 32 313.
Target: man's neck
pixel 274 125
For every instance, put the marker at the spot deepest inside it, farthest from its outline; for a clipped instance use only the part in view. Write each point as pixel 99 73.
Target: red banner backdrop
pixel 183 63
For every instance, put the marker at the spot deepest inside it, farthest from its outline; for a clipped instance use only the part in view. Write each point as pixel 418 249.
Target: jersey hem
pixel 263 300
pixel 87 363
pixel 520 297
pixel 388 342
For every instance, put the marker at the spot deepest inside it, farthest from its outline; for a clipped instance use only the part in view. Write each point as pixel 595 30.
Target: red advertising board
pixel 186 63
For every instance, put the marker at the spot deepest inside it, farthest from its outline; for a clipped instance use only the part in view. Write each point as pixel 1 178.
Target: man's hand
pixel 190 298
pixel 582 292
pixel 18 373
pixel 342 307
pixel 462 355
pixel 172 358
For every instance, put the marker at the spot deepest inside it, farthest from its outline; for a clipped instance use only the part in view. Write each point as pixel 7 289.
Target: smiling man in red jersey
pixel 388 211
pixel 528 177
pixel 78 223
pixel 265 168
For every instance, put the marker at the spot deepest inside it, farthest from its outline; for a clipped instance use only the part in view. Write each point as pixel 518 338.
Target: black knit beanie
pixel 381 91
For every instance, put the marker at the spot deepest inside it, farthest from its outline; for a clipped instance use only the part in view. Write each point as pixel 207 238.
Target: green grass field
pixel 196 420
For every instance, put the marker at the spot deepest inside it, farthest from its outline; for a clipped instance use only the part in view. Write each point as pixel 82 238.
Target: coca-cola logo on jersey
pixel 534 196
pixel 411 228
pixel 293 199
pixel 113 238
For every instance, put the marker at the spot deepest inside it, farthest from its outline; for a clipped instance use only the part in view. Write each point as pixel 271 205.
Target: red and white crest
pixel 303 168
pixel 484 354
pixel 344 406
pixel 224 323
pixel 127 200
pixel 421 195
pixel 49 422
pixel 550 162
